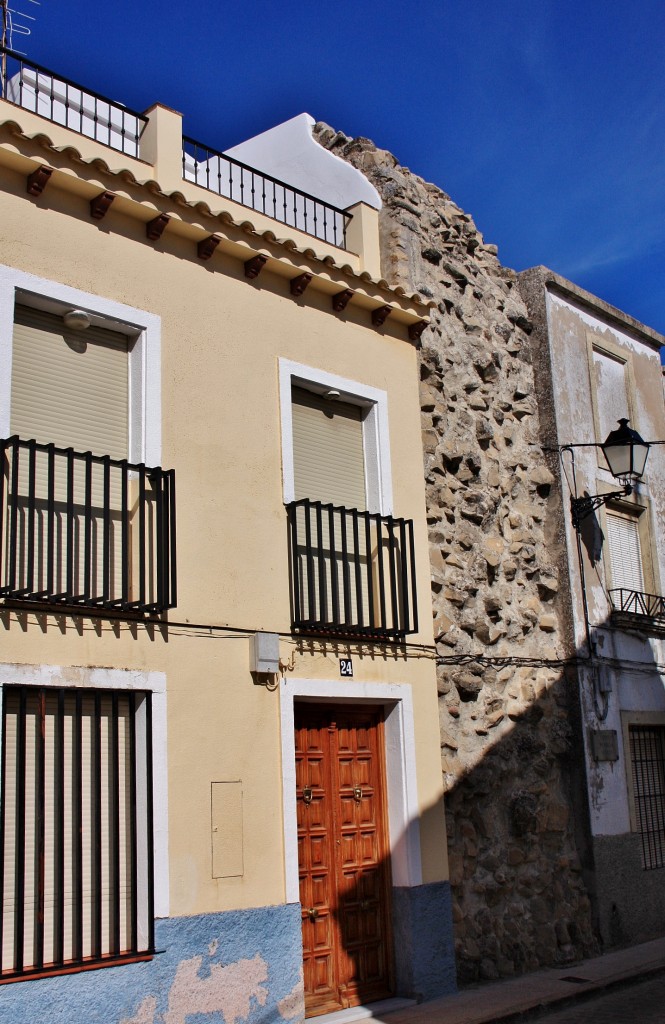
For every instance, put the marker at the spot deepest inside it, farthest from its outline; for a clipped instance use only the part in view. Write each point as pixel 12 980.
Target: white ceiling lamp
pixel 77 319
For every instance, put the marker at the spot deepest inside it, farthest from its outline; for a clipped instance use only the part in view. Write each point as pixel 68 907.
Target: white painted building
pixel 595 365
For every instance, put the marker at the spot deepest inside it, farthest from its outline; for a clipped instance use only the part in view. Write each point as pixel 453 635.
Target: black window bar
pixel 62 101
pixel 647 752
pixel 76 853
pixel 634 602
pixel 79 529
pixel 352 572
pixel 235 180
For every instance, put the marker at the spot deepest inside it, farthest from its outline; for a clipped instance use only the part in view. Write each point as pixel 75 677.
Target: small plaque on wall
pixel 345 667
pixel 604 745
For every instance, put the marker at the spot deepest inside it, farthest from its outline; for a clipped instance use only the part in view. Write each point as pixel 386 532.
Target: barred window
pixel 647 751
pixel 76 860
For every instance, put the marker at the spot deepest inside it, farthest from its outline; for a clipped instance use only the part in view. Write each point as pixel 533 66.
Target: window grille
pixel 76 861
pixel 647 751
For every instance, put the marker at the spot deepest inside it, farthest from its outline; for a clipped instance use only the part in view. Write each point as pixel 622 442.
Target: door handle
pixel 312 913
pixel 357 793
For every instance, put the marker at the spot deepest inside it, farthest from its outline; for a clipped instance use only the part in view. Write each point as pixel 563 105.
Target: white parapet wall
pixel 289 152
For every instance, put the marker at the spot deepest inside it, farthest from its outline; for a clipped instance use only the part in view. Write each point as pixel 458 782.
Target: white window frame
pixel 145 415
pixel 118 679
pixel 376 437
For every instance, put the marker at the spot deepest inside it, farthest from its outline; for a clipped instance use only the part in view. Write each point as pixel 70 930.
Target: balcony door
pixel 343 856
pixel 623 535
pixel 328 450
pixel 329 467
pixel 69 389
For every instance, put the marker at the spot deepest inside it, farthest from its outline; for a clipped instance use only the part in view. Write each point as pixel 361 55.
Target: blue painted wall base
pixel 424 943
pixel 240 967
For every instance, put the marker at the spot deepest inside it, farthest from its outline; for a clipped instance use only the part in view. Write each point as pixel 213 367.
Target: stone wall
pixel 510 743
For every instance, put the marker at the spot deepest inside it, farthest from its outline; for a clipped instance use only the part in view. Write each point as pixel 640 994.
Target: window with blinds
pixel 70 390
pixel 75 829
pixel 647 752
pixel 329 467
pixel 328 451
pixel 623 537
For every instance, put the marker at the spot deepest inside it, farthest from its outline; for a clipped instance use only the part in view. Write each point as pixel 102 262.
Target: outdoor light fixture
pixel 626 455
pixel 77 319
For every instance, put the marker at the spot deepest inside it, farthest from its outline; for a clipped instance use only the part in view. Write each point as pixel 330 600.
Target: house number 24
pixel 345 667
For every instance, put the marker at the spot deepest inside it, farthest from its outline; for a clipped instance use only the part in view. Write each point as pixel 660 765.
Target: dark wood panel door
pixel 343 856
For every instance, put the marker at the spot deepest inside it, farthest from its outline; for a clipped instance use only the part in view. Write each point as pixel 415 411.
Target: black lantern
pixel 625 453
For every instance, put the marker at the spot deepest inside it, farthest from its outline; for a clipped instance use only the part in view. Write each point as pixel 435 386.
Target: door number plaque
pixel 346 667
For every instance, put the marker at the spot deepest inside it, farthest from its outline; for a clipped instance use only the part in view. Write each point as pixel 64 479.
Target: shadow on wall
pixel 527 891
pixel 521 859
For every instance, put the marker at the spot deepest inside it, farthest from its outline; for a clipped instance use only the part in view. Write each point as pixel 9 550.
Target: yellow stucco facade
pixel 210 404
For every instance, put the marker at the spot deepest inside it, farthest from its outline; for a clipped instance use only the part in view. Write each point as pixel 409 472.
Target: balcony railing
pixel 352 573
pixel 633 602
pixel 35 88
pixel 227 177
pixel 83 529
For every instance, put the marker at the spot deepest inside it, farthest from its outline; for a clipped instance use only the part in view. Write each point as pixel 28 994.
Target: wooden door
pixel 343 855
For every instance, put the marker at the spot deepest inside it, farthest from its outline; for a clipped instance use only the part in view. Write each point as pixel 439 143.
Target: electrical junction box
pixel 264 653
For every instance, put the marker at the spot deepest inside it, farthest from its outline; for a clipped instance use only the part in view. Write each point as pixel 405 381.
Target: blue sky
pixel 544 119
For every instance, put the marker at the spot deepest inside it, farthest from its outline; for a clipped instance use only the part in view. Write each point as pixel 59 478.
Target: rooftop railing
pixel 250 187
pixel 63 102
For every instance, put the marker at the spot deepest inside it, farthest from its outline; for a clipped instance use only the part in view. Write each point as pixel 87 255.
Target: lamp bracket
pixel 581 508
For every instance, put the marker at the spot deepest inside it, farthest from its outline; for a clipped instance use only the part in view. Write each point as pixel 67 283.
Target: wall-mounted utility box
pixel 604 744
pixel 264 653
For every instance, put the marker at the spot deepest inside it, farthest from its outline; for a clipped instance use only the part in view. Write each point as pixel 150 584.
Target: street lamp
pixel 626 455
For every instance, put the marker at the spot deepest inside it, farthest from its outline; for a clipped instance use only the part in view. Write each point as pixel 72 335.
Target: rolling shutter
pixel 69 388
pixel 329 467
pixel 328 456
pixel 625 552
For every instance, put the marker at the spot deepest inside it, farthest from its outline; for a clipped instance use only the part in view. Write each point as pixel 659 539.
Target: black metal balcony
pixel 352 573
pixel 632 607
pixel 62 101
pixel 219 173
pixel 78 529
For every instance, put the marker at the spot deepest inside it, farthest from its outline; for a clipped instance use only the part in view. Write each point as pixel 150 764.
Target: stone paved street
pixel 641 1003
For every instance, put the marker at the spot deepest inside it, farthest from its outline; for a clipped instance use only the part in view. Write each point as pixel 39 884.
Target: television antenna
pixel 16 23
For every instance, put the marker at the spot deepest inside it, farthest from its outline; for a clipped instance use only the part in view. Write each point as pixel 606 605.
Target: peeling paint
pixel 145 1013
pixel 293 1005
pixel 236 967
pixel 228 990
